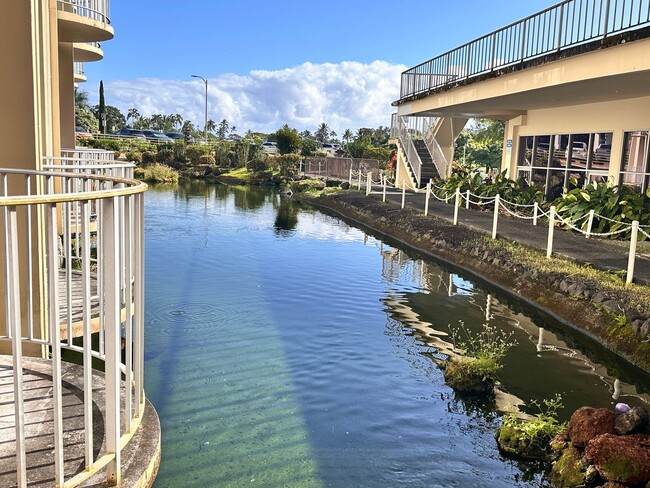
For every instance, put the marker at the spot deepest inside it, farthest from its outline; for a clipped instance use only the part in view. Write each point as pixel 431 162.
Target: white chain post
pixel 535 212
pixel 350 178
pixel 467 199
pixel 632 256
pixel 383 198
pixel 495 220
pixel 456 204
pixel 427 195
pixel 403 193
pixel 590 223
pixel 359 181
pixel 551 226
pixel 368 182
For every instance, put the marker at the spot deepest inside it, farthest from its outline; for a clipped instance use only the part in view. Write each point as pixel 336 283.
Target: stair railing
pixel 439 159
pixel 401 130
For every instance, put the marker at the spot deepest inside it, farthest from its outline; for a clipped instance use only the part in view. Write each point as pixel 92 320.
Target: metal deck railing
pixel 93 9
pixel 37 230
pixel 557 28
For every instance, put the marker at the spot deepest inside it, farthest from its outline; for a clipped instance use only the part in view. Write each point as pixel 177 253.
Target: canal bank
pixel 594 302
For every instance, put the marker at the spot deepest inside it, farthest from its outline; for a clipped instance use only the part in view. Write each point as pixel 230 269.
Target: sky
pixel 270 63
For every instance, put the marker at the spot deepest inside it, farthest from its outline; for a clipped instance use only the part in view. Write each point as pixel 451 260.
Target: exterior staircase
pixel 428 170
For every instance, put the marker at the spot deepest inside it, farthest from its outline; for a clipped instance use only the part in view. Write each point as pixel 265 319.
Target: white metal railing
pixel 79 68
pixel 410 128
pixel 40 278
pixel 93 9
pixel 557 28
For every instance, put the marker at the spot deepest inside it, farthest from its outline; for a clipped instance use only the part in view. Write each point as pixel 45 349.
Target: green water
pixel 286 348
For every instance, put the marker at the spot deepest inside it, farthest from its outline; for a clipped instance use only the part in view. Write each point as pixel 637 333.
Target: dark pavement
pixel 600 253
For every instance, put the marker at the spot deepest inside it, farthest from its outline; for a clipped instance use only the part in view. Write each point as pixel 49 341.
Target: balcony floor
pixel 139 459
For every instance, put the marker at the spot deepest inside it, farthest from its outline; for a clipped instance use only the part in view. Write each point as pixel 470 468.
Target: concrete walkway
pixel 600 253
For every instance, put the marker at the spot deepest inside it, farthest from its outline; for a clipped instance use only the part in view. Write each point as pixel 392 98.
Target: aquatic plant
pixel 531 438
pixel 475 371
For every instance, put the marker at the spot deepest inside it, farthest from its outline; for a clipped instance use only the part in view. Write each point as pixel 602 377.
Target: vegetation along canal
pixel 286 348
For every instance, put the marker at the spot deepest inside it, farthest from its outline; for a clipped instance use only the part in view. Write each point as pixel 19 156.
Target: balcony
pixel 84 20
pixel 86 52
pixel 71 380
pixel 569 28
pixel 79 75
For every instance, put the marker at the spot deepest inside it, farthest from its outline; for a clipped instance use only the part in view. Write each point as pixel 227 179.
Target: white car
pixel 270 147
pixel 331 148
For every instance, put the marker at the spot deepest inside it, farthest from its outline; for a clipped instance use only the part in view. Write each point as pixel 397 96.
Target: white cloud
pixel 346 95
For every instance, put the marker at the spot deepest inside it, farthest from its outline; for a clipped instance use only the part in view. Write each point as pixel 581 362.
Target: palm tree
pixel 347 136
pixel 81 99
pixel 211 126
pixel 323 132
pixel 133 114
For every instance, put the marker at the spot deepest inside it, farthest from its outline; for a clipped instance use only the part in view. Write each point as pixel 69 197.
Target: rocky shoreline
pixel 611 314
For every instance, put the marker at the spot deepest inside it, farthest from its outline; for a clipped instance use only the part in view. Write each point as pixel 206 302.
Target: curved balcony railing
pixel 98 10
pixel 557 28
pixel 89 306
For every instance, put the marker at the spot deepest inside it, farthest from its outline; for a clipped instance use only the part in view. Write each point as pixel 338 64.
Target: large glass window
pixel 635 170
pixel 565 161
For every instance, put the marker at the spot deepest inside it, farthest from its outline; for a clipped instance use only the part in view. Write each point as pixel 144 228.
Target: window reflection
pixel 634 167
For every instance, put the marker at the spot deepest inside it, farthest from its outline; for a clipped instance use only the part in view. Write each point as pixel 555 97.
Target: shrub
pixel 148 157
pixel 134 156
pixel 206 159
pixel 382 154
pixel 288 165
pixel 165 156
pixel 158 173
pixel 106 144
pixel 194 151
pixel 259 163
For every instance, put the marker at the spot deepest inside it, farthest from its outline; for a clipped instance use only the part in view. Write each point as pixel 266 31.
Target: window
pixel 557 162
pixel 634 166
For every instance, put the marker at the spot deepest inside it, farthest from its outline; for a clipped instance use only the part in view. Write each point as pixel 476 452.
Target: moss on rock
pixel 567 472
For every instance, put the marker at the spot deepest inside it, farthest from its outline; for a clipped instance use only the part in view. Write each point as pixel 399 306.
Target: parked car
pixel 331 148
pixel 82 133
pixel 156 134
pixel 270 147
pixel 128 132
pixel 578 151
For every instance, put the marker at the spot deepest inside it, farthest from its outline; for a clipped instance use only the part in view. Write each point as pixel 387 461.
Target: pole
pixel 551 226
pixel 632 257
pixel 205 128
pixel 426 199
pixel 403 193
pixel 383 198
pixel 456 203
pixel 495 220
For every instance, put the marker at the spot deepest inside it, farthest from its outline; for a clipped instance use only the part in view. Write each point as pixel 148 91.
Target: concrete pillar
pixel 446 130
pixel 511 145
pixel 66 94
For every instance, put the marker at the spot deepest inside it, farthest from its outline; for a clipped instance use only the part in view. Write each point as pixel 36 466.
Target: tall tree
pixel 347 136
pixel 115 119
pixel 288 140
pixel 101 115
pixel 222 130
pixel 81 99
pixel 133 114
pixel 211 126
pixel 323 132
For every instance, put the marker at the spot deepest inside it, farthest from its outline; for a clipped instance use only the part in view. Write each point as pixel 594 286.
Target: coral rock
pixel 587 423
pixel 621 459
pixel 634 420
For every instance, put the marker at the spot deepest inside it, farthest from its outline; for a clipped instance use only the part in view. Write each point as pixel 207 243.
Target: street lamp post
pixel 206 106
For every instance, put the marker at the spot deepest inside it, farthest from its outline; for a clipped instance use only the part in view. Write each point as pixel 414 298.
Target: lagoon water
pixel 287 348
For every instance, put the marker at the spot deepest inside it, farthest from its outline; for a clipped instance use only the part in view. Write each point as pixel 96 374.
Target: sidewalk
pixel 602 254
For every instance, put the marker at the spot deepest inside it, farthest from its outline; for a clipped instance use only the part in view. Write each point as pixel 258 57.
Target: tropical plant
pixel 615 207
pixel 531 438
pixel 322 133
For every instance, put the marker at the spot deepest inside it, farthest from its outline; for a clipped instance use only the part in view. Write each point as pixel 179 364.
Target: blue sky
pixel 270 63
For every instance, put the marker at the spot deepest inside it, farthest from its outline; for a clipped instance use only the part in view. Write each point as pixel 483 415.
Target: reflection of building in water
pixel 397 265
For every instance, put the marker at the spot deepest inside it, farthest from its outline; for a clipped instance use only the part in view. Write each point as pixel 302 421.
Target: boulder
pixel 621 459
pixel 566 471
pixel 633 421
pixel 587 423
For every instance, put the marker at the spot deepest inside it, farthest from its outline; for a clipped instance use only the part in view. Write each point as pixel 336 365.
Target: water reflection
pixel 287 217
pixel 542 364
